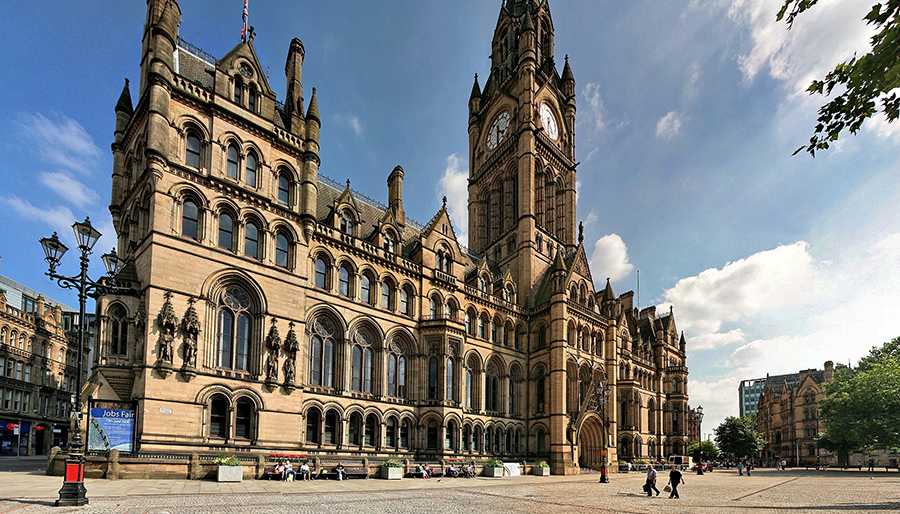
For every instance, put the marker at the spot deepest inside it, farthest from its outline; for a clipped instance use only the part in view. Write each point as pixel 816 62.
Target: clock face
pixel 548 120
pixel 498 130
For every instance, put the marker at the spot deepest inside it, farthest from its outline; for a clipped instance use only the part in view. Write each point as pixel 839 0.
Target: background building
pixel 788 416
pixel 38 352
pixel 749 392
pixel 283 311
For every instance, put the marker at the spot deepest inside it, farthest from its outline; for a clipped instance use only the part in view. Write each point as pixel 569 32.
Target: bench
pixel 436 467
pixel 269 472
pixel 351 470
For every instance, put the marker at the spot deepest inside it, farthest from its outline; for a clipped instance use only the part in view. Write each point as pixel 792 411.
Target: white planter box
pixel 541 472
pixel 391 473
pixel 493 472
pixel 231 473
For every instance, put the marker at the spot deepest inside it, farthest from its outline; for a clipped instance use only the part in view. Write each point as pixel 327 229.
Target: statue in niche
pixel 289 371
pixel 271 368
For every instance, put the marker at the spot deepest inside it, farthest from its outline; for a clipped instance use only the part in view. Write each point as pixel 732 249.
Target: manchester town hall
pixel 283 312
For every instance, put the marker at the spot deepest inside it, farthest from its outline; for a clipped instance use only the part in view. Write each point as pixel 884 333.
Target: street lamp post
pixel 699 416
pixel 73 491
pixel 601 398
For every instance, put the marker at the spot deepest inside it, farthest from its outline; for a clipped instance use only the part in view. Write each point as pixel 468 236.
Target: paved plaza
pixel 25 490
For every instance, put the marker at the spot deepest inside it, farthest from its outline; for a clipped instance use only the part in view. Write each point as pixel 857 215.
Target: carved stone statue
pixel 190 354
pixel 271 368
pixel 289 371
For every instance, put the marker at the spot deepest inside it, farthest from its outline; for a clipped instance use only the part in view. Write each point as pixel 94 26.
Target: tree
pixel 870 79
pixel 738 437
pixel 708 449
pixel 860 410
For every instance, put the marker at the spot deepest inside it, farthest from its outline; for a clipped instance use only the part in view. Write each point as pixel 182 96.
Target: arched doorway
pixel 590 443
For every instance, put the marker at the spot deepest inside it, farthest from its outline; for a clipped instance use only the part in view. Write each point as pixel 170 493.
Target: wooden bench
pixel 437 469
pixel 351 470
pixel 269 472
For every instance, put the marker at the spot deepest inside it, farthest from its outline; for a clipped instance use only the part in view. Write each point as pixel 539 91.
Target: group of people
pixel 426 471
pixel 745 466
pixel 676 478
pixel 289 474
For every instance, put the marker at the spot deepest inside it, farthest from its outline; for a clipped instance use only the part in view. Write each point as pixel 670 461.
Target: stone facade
pixel 282 311
pixel 788 416
pixel 38 369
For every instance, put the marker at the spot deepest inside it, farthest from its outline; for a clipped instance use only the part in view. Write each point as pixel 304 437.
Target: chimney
pixel 395 194
pixel 829 371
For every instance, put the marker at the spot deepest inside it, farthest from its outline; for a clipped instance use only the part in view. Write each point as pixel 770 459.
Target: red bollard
pixel 604 475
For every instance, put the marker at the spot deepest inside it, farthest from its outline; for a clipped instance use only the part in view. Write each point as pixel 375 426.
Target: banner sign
pixel 512 470
pixel 111 429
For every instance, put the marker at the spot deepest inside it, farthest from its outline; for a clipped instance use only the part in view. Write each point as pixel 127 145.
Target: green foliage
pixel 494 462
pixel 738 437
pixel 866 81
pixel 227 460
pixel 708 449
pixel 542 464
pixel 860 411
pixel 391 463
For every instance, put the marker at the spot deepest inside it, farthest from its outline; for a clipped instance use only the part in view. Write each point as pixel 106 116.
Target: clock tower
pixel 522 149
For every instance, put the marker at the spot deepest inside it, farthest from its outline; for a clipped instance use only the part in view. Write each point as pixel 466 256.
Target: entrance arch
pixel 590 443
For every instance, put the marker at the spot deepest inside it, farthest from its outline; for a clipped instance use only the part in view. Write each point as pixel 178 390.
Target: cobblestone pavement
pixel 719 492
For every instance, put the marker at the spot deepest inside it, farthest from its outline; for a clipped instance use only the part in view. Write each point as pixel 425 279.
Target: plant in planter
pixel 541 469
pixel 493 468
pixel 230 468
pixel 391 469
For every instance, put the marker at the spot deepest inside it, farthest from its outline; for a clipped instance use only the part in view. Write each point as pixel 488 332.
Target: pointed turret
pixel 474 99
pixel 681 343
pixel 608 295
pixel 312 121
pixel 124 104
pixel 293 70
pixel 568 79
pixel 313 112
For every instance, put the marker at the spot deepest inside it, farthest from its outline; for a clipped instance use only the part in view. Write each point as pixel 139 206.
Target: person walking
pixel 651 481
pixel 871 465
pixel 749 467
pixel 740 469
pixel 675 479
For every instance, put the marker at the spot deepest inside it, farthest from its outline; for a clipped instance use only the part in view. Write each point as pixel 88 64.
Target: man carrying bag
pixel 651 481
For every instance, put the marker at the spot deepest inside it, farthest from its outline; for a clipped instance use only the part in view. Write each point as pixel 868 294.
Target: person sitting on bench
pixel 304 471
pixel 289 473
pixel 452 471
pixel 339 469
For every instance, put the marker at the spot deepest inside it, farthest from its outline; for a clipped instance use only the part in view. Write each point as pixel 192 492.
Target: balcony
pixel 445 278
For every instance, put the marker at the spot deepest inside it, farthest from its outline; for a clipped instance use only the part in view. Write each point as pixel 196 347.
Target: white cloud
pixel 591 218
pixel 610 259
pixel 351 122
pixel 63 142
pixel 668 126
pixel 596 111
pixel 772 279
pixel 820 38
pixel 59 218
pixel 454 184
pixel 784 310
pixel 69 189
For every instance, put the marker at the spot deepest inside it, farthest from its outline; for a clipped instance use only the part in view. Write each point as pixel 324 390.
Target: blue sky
pixel 688 112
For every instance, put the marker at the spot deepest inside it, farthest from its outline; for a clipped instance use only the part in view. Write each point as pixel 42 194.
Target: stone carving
pixel 190 327
pixel 140 322
pixel 289 371
pixel 271 368
pixel 273 340
pixel 363 337
pixel 434 348
pixel 291 345
pixel 167 322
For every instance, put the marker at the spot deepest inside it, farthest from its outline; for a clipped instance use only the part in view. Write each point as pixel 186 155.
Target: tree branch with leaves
pixel 867 81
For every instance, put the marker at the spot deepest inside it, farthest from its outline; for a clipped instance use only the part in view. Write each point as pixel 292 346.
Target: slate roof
pixel 196 68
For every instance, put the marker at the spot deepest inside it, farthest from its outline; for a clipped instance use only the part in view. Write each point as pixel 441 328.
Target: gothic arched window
pixel 192 150
pixel 190 219
pixel 243 419
pixel 492 388
pixel 218 417
pixel 226 231
pixel 344 281
pixel 321 353
pixel 284 189
pixel 282 249
pixel 396 376
pixel 321 273
pixel 250 168
pixel 234 329
pixel 449 379
pixel 118 331
pixel 232 161
pixel 432 378
pixel 347 223
pixel 365 288
pixel 251 240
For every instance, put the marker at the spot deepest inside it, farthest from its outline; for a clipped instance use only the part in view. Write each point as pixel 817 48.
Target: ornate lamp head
pixel 85 234
pixel 54 250
pixel 113 263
